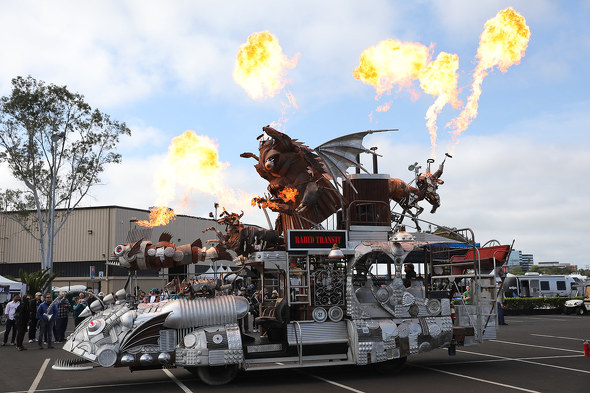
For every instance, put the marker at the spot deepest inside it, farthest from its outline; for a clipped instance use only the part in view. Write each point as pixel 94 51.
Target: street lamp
pixel 54 139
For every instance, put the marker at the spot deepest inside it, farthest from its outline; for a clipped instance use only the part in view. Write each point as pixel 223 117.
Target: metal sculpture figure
pixel 408 196
pixel 287 163
pixel 143 254
pixel 290 165
pixel 244 239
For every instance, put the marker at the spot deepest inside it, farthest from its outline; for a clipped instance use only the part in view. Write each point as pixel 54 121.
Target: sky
pixel 166 67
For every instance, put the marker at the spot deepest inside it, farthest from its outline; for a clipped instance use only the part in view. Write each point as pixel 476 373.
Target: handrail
pixel 299 344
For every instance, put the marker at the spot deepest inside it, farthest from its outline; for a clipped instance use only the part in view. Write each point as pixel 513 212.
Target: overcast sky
pixel 518 171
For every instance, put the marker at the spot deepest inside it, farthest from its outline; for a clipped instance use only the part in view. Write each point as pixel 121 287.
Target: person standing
pixel 78 308
pixel 467 295
pixel 22 317
pixel 9 312
pixel 61 323
pixel 33 321
pixel 46 315
pixel 500 306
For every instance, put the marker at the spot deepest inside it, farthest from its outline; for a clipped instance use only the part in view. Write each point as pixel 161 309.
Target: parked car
pixel 579 306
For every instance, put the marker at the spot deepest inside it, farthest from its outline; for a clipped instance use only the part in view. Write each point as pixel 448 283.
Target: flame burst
pixel 261 66
pixel 439 79
pixel 193 163
pixel 159 215
pixel 286 195
pixel 502 44
pixel 390 63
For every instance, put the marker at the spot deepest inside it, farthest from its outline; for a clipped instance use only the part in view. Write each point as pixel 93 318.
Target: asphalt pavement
pixel 541 353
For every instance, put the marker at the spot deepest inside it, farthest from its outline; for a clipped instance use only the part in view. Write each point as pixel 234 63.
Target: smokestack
pixel 375 168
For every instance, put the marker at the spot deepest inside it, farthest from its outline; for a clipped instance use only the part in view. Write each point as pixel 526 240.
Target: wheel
pixel 393 366
pixel 215 375
pixel 581 310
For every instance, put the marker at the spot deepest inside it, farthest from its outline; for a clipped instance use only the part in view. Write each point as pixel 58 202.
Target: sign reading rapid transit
pixel 301 239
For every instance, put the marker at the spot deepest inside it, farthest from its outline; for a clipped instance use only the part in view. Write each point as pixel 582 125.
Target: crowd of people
pixel 43 318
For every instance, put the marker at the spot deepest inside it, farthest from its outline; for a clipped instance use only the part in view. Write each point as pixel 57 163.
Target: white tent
pixel 13 287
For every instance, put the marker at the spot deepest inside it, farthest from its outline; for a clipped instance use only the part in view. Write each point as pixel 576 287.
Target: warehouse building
pixel 86 242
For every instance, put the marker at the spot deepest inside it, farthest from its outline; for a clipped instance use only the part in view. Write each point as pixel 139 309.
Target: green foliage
pixel 536 303
pixel 37 281
pixel 516 270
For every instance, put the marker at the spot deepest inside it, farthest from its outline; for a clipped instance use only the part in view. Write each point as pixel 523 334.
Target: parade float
pixel 335 256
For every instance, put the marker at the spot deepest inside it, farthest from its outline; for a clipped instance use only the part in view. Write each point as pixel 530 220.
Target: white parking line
pixel 506 360
pixel 39 376
pixel 335 383
pixel 545 319
pixel 110 385
pixel 565 338
pixel 476 379
pixel 535 346
pixel 180 384
pixel 529 362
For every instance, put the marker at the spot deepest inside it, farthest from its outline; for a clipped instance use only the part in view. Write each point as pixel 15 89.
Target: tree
pixel 535 268
pixel 37 281
pixel 56 145
pixel 516 270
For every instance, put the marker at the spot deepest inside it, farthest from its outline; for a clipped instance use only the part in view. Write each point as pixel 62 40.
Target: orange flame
pixel 288 194
pixel 439 79
pixel 390 63
pixel 159 215
pixel 261 66
pixel 285 195
pixel 193 162
pixel 502 44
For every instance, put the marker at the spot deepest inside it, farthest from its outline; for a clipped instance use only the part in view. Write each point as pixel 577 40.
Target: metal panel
pixel 317 333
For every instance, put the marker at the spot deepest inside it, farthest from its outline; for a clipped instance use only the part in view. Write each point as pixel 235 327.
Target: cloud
pixel 508 187
pixel 117 52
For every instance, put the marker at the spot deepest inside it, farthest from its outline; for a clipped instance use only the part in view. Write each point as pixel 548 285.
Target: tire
pixel 215 375
pixel 393 366
pixel 581 310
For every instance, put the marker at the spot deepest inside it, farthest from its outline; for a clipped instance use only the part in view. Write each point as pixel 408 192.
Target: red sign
pixel 316 240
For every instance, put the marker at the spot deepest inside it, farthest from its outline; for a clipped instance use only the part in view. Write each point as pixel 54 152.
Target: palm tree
pixel 37 281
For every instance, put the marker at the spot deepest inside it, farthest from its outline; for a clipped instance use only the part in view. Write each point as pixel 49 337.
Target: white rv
pixel 538 285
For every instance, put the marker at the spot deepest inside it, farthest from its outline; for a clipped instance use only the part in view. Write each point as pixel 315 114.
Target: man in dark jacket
pixel 23 314
pixel 33 321
pixel 46 314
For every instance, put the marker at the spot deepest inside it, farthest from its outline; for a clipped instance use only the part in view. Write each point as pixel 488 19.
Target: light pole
pixel 54 139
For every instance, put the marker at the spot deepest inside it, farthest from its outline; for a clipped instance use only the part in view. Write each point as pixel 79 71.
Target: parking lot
pixel 541 353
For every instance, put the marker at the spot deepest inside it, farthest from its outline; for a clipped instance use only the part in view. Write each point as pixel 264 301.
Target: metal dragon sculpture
pixel 312 173
pixel 426 188
pixel 244 239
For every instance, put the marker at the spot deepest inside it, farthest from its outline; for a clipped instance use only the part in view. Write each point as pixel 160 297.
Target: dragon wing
pixel 340 153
